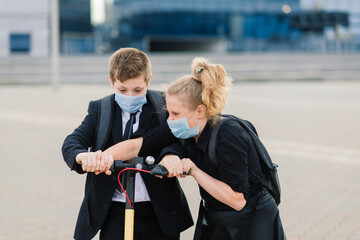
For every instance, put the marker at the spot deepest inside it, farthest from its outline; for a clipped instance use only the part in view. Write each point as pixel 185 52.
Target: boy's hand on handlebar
pixel 96 162
pixel 106 162
pixel 173 165
pixel 88 160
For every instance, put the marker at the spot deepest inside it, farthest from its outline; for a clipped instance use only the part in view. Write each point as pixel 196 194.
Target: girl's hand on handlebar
pixel 173 165
pixel 188 167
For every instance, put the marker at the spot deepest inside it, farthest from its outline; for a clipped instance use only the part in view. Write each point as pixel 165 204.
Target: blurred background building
pixel 24 27
pixel 182 25
pixel 344 36
pixel 187 25
pixel 76 30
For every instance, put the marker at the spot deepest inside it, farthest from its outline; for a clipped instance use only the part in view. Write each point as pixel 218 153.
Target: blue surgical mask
pixel 181 129
pixel 130 104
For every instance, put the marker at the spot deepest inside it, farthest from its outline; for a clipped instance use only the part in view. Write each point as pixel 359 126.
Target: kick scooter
pixel 138 165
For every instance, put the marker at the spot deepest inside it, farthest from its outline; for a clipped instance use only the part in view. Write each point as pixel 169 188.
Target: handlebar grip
pixel 159 170
pixel 119 165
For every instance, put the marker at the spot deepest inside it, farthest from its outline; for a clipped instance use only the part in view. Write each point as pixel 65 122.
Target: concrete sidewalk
pixel 310 128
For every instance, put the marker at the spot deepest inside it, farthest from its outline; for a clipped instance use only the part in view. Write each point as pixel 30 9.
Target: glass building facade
pixel 227 25
pixel 75 27
pixel 150 24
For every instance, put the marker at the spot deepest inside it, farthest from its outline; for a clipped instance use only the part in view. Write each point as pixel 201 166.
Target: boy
pixel 161 210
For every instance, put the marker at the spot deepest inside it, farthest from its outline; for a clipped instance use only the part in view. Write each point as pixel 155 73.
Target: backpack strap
pixel 213 141
pixel 104 120
pixel 158 102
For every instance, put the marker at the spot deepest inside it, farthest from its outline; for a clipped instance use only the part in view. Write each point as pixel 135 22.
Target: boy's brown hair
pixel 127 63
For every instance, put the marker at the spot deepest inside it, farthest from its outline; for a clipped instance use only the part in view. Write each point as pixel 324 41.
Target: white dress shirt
pixel 141 193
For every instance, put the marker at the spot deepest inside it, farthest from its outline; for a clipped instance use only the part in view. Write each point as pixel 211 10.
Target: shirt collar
pixel 126 115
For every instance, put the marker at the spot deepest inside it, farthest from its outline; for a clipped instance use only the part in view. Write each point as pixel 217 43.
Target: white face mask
pixel 130 104
pixel 181 129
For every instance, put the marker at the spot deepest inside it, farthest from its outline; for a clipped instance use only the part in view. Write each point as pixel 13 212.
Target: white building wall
pixel 25 17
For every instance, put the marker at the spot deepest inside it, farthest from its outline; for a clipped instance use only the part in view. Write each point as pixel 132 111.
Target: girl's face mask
pixel 181 129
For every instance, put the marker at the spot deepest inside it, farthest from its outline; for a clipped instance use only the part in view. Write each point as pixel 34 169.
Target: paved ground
pixel 311 130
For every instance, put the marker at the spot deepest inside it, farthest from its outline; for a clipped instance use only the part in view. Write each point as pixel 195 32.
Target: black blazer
pixel 166 195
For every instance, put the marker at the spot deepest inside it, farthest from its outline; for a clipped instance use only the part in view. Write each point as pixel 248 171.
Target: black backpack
pixel 272 183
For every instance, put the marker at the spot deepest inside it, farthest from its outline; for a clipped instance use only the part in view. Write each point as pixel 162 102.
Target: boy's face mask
pixel 130 104
pixel 181 129
pixel 130 95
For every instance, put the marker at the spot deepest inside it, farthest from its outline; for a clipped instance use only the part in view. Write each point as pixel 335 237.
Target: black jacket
pixel 166 195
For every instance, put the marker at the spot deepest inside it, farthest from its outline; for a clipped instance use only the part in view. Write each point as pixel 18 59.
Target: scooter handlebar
pixel 155 169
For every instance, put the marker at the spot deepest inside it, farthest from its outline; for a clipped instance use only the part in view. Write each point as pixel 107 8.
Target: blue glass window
pixel 19 43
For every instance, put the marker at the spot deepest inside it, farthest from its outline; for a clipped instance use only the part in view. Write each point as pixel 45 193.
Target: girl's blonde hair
pixel 208 85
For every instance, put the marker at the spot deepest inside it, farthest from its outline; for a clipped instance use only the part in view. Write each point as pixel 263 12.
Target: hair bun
pixel 198 65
